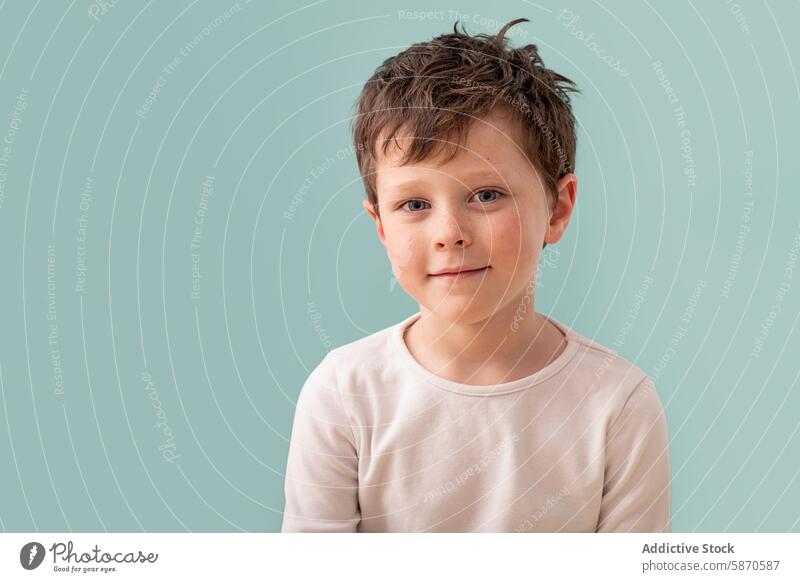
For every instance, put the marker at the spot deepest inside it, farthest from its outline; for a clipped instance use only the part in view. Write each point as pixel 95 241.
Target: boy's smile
pixel 459 272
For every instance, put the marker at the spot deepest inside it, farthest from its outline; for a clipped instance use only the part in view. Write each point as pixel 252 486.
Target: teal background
pixel 259 103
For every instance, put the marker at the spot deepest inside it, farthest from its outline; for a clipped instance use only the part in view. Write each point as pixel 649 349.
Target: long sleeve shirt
pixel 381 444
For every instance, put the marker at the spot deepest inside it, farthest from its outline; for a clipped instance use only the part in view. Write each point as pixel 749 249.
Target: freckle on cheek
pixel 400 252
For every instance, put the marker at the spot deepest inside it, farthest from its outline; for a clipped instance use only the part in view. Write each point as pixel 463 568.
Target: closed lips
pixel 457 271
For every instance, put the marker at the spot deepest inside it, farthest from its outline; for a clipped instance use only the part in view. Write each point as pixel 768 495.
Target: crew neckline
pixel 538 377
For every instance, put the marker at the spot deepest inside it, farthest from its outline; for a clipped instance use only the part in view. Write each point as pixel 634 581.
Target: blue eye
pixel 416 209
pixel 497 195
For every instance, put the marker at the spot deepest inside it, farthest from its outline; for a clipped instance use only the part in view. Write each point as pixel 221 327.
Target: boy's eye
pixel 490 198
pixel 415 205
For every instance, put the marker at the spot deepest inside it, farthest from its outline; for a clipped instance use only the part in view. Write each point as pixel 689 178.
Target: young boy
pixel 476 414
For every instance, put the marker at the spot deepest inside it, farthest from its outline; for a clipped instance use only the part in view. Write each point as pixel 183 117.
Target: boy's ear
pixel 566 189
pixel 378 224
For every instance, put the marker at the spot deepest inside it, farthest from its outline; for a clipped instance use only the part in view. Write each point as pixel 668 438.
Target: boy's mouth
pixel 456 272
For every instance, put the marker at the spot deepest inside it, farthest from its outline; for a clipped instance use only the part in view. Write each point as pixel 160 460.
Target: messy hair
pixel 435 90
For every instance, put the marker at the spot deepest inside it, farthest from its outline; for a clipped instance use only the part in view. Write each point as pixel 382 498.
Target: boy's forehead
pixel 491 143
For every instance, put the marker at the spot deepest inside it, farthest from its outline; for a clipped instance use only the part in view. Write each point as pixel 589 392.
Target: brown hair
pixel 435 90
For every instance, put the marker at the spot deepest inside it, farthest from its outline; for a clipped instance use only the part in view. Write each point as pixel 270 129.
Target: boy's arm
pixel 321 485
pixel 636 489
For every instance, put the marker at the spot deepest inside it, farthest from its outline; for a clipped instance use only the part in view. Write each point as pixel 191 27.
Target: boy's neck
pixel 490 351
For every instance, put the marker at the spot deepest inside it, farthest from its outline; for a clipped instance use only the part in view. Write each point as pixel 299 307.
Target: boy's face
pixel 485 210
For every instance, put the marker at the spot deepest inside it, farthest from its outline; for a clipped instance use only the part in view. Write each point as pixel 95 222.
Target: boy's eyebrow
pixel 407 185
pixel 416 182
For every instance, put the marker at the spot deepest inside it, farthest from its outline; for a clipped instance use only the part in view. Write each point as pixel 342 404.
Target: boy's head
pixel 466 148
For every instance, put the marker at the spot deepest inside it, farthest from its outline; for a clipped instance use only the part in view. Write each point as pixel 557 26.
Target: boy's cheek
pixel 505 242
pixel 400 249
pixel 513 241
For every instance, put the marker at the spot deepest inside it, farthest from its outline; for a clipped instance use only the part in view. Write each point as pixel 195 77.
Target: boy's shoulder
pixel 605 361
pixel 369 352
pixel 360 357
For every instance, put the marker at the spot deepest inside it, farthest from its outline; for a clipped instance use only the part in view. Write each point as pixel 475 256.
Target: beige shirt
pixel 381 444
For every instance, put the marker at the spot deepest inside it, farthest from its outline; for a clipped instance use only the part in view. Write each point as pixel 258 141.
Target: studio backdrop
pixel 182 240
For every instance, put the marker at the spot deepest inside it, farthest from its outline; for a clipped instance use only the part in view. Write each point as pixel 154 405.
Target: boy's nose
pixel 451 233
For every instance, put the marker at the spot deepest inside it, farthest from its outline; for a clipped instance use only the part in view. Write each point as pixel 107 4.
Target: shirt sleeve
pixel 636 488
pixel 321 486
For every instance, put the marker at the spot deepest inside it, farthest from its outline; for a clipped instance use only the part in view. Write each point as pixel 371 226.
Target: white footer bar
pixel 387 557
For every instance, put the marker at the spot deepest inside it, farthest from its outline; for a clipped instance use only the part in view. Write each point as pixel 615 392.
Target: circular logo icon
pixel 31 555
